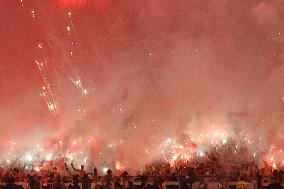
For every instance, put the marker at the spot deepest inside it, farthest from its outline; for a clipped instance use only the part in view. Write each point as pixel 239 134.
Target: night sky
pixel 140 72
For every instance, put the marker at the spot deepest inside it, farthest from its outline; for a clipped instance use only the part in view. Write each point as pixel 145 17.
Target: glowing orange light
pixel 75 4
pixel 37 169
pixel 274 166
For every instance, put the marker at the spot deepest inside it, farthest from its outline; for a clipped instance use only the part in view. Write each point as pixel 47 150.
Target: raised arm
pixel 77 170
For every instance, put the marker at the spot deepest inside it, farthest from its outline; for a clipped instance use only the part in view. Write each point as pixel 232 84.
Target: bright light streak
pixel 68 29
pixel 47 90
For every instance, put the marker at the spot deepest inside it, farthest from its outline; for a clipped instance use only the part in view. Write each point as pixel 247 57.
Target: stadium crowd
pixel 188 174
pixel 227 166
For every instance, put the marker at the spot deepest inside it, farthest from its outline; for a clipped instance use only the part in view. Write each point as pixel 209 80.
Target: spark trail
pixel 75 75
pixel 47 90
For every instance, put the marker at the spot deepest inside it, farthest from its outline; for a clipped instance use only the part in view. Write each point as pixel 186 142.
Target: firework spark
pixel 47 90
pixel 22 2
pixel 76 78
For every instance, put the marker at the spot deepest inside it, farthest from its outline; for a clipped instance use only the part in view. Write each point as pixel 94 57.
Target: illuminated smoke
pixel 190 71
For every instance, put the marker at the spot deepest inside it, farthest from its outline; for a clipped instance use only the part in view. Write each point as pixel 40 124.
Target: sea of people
pixel 188 174
pixel 225 166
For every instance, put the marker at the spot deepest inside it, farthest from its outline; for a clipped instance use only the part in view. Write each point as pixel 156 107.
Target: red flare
pixel 190 145
pixel 75 4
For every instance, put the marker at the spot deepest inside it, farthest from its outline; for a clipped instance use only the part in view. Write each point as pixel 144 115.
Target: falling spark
pixel 69 30
pixel 76 79
pixel 47 91
pixel 85 92
pixel 78 83
pixel 33 13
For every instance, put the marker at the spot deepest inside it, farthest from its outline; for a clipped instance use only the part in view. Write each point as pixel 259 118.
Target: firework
pixel 75 75
pixel 47 91
pixel 78 83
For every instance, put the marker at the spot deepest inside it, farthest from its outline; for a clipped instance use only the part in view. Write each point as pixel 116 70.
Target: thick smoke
pixel 155 70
